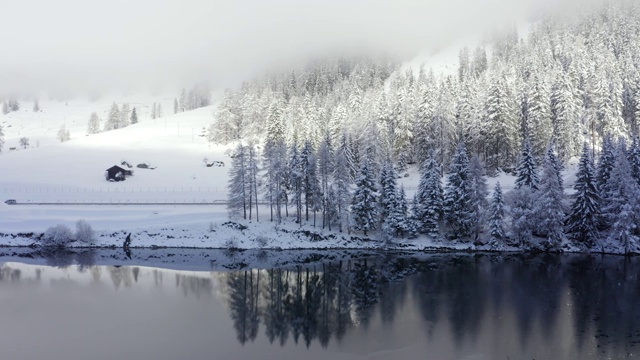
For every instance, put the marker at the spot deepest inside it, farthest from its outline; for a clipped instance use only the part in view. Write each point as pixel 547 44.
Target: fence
pixel 116 195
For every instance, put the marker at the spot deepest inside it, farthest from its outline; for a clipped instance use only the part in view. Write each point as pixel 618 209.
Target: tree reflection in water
pixel 323 302
pixel 534 300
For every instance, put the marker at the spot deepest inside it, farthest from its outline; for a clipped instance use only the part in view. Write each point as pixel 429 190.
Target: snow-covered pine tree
pixel 237 188
pixel 556 162
pixel 391 216
pixel 605 166
pixel 94 124
pixel 134 116
pixel 521 202
pixel 184 106
pixel 14 105
pixel 159 110
pixel 624 229
pixel 527 174
pixel 548 209
pixel 496 216
pixel 296 172
pixel 310 182
pixel 36 106
pixel 63 134
pixel 622 190
pixel 364 204
pixel 565 117
pixel 252 178
pixel 325 169
pixel 634 159
pixel 274 160
pixel 114 118
pixel 5 107
pixel 583 222
pixel 539 116
pixel 479 193
pixel 404 225
pixel 342 183
pixel 501 141
pixel 458 207
pixel 429 198
pixel 124 116
pixel 175 105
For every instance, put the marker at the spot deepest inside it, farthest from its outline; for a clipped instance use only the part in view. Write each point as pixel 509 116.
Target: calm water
pixel 433 307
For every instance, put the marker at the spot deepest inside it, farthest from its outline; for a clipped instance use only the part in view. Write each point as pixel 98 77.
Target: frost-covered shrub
pixel 231 244
pixel 262 241
pixel 84 232
pixel 57 236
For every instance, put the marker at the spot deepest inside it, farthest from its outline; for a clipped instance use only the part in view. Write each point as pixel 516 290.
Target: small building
pixel 116 173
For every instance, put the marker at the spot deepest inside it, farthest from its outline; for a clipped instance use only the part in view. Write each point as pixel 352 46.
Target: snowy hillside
pixel 74 170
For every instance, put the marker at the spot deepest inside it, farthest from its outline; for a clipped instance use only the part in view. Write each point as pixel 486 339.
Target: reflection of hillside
pixel 323 302
pixel 188 283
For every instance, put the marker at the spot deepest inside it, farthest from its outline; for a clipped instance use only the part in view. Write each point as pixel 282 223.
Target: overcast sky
pixel 96 43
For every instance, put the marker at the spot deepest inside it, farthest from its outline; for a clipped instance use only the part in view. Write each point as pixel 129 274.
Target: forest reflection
pixel 586 302
pixel 324 302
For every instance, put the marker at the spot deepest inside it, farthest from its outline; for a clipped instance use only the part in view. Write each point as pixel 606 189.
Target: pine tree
pixel 364 205
pixel 237 204
pixel 325 169
pixel 124 116
pixel 548 208
pixel 458 207
pixel 624 230
pixel 134 116
pixel 175 105
pixel 159 111
pixel 63 134
pixel 342 183
pixel 94 124
pixel 14 105
pixel 429 198
pixel 565 117
pixel 310 182
pixel 183 101
pixel 479 193
pixel 584 219
pixel 114 118
pixel 36 106
pixel 634 159
pixel 556 163
pixel 5 107
pixel 391 214
pixel 539 116
pixel 404 224
pixel 523 220
pixel 251 178
pixel 622 190
pixel 527 174
pixel 296 172
pixel 501 129
pixel 605 167
pixel 274 159
pixel 496 216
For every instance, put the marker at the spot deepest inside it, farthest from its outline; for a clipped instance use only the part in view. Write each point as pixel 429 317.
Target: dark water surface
pixel 381 307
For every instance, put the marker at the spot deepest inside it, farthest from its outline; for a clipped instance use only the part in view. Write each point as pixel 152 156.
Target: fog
pixel 96 44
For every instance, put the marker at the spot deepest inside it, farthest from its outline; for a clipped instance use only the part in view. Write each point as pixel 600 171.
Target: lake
pixel 354 306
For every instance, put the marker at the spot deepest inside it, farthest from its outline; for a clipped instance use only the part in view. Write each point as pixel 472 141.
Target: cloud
pixel 117 43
